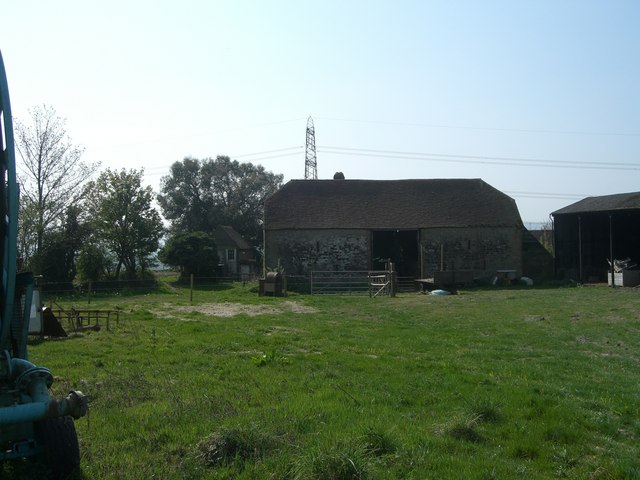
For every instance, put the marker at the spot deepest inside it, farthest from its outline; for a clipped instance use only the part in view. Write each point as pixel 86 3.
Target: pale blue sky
pixel 549 85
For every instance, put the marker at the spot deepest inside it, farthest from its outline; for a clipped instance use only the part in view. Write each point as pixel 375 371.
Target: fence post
pixel 191 288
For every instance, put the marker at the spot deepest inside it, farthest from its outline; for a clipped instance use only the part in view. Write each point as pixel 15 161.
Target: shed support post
pixel 613 273
pixel 580 249
pixel 420 246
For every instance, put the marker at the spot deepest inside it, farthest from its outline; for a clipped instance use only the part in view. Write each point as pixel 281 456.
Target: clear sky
pixel 540 98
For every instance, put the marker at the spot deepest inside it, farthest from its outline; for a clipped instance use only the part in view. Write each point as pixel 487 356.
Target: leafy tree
pixel 50 174
pixel 193 252
pixel 199 195
pixel 93 262
pixel 53 261
pixel 56 260
pixel 124 218
pixel 184 197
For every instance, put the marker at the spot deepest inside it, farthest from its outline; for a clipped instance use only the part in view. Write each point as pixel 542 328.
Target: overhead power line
pixel 438 157
pixel 478 159
pixel 267 151
pixel 259 159
pixel 493 129
pixel 546 195
pixel 291 151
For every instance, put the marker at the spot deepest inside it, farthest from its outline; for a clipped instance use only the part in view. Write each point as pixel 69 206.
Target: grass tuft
pixel 484 410
pixel 270 357
pixel 341 461
pixel 378 442
pixel 234 444
pixel 560 434
pixel 466 432
pixel 462 428
pixel 564 462
pixel 526 452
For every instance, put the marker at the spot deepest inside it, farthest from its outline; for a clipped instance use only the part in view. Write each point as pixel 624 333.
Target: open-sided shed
pixel 590 232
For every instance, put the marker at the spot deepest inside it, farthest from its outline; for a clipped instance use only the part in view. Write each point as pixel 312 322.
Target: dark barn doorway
pixel 401 246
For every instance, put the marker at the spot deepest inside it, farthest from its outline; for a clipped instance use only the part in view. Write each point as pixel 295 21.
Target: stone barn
pixel 424 226
pixel 589 232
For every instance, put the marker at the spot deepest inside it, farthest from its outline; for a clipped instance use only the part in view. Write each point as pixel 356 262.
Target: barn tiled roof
pixel 604 203
pixel 227 236
pixel 389 204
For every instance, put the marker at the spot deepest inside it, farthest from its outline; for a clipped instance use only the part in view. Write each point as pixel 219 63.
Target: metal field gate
pixel 340 283
pixel 350 282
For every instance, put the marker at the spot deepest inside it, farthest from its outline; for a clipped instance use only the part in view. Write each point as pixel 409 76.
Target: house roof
pixel 227 236
pixel 389 204
pixel 605 203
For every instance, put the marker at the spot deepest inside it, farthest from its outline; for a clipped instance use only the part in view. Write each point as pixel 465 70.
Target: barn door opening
pixel 401 246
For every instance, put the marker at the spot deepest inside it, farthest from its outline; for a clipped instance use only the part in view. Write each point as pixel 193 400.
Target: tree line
pixel 79 223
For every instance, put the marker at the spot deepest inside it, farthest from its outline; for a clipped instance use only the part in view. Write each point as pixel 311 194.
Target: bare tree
pixel 50 174
pixel 546 236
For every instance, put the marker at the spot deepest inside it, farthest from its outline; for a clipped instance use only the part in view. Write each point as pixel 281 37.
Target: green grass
pixel 538 383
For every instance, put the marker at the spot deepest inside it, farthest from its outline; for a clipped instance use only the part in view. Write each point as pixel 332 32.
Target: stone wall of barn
pixel 482 250
pixel 303 251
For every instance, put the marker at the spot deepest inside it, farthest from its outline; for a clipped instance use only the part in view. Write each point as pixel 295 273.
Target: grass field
pixel 537 383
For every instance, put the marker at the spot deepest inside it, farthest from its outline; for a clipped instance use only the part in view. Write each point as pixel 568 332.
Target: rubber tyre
pixel 62 452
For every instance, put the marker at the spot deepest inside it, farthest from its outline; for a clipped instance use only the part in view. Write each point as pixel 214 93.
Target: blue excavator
pixel 32 422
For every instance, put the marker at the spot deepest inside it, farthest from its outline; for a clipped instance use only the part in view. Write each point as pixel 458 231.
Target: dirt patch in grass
pixel 228 309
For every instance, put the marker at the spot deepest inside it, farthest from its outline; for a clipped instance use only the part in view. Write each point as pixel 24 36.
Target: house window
pixel 231 255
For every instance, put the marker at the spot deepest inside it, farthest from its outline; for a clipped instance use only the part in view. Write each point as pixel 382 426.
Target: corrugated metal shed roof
pixel 389 204
pixel 605 203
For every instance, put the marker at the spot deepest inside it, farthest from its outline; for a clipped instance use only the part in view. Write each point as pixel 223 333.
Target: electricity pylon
pixel 310 161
